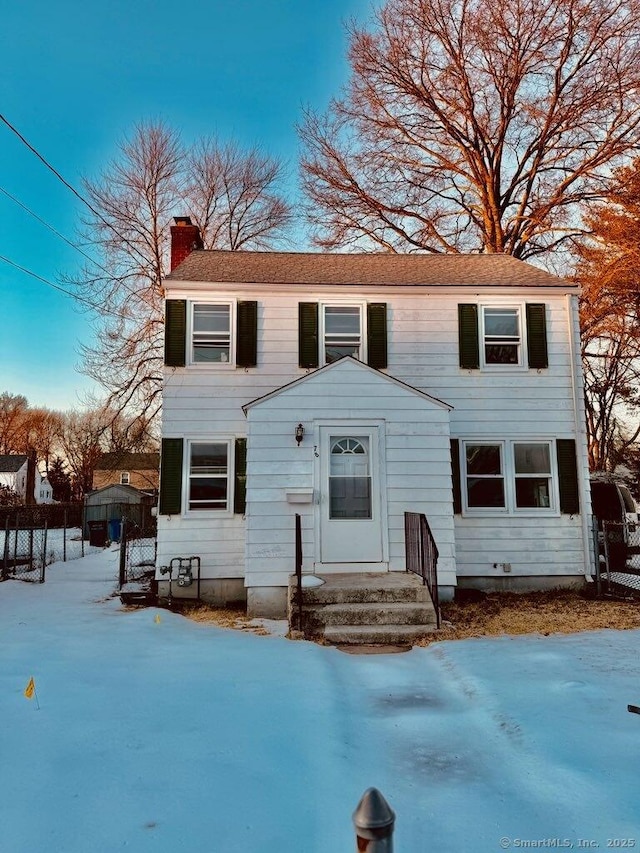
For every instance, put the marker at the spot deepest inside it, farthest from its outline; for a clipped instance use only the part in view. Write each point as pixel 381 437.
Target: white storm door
pixel 350 525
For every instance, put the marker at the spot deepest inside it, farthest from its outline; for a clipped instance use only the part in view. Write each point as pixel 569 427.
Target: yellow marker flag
pixel 157 619
pixel 30 689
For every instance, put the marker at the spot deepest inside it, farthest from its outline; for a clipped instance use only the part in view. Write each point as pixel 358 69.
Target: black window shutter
pixel 308 334
pixel 240 469
pixel 171 476
pixel 537 336
pixel 377 335
pixel 175 332
pixel 455 474
pixel 468 337
pixel 247 331
pixel 568 476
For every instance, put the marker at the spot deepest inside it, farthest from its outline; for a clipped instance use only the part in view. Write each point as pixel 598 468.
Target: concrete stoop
pixel 366 608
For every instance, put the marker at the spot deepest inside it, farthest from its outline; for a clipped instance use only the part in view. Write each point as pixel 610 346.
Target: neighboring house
pixel 44 492
pixel 139 470
pixel 352 388
pixel 14 473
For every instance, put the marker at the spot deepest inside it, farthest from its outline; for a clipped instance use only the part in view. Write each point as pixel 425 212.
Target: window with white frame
pixel 342 332
pixel 211 332
pixel 124 478
pixel 501 335
pixel 208 475
pixel 508 476
pixel 532 470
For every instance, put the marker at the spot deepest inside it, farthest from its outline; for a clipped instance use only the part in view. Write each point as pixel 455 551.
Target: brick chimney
pixel 185 237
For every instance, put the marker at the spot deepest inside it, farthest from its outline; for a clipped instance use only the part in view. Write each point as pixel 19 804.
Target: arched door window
pixel 349 477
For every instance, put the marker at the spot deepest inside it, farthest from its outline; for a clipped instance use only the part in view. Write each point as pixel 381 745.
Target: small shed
pixel 112 503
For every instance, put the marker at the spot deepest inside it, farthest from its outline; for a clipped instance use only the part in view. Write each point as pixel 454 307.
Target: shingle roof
pixel 12 463
pixel 128 462
pixel 362 269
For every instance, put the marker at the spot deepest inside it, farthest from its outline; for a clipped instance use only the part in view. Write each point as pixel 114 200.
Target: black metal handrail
pixel 421 553
pixel 299 571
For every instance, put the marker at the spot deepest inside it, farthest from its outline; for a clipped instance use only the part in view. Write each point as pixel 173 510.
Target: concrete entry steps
pixel 365 608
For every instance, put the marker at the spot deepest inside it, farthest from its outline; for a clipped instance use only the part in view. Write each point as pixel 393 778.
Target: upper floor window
pixel 502 335
pixel 328 331
pixel 124 478
pixel 342 332
pixel 211 333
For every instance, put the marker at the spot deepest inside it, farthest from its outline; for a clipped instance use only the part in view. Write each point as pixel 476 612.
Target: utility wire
pixel 46 281
pixel 53 230
pixel 52 169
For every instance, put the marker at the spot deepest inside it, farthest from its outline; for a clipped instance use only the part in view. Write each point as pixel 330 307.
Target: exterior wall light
pixel 299 433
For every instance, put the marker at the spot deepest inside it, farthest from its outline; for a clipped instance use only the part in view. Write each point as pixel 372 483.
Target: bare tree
pixel 231 194
pixel 475 125
pixel 608 265
pixel 80 436
pixel 13 409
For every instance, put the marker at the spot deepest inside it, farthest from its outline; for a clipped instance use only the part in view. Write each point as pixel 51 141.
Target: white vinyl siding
pixel 490 404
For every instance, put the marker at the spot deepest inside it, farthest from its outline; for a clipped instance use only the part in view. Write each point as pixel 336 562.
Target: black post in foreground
pixel 374 820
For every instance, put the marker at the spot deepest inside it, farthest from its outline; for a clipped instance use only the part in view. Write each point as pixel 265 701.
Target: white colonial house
pixel 350 388
pixel 14 474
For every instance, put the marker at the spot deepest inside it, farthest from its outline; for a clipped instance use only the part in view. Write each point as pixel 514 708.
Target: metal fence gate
pixel 23 552
pixel 138 550
pixel 619 555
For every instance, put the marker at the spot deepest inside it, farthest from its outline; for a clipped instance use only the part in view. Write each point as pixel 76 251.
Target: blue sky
pixel 77 76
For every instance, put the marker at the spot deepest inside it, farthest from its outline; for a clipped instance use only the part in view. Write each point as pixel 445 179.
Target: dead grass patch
pixel 552 612
pixel 222 617
pixel 482 615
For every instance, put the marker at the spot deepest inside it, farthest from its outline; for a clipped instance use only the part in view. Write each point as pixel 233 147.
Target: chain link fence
pixel 138 551
pixel 24 553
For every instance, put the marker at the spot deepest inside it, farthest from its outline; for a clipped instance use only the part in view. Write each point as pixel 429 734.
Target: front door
pixel 350 522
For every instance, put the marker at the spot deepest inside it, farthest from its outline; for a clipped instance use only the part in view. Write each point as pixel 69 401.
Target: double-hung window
pixel 532 471
pixel 508 476
pixel 208 475
pixel 501 335
pixel 211 333
pixel 342 332
pixel 124 478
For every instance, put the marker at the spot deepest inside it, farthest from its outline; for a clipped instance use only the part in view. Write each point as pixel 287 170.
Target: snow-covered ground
pixel 168 735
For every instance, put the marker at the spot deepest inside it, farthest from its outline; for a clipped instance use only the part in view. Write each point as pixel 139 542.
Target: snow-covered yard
pixel 173 735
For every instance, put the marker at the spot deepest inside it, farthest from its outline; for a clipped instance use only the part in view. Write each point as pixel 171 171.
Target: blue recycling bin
pixel 114 529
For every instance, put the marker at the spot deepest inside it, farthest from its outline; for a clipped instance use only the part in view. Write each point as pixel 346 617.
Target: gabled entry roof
pixel 338 367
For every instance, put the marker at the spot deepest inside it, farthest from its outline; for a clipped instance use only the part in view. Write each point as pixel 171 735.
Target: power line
pixel 46 281
pixel 53 230
pixel 69 186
